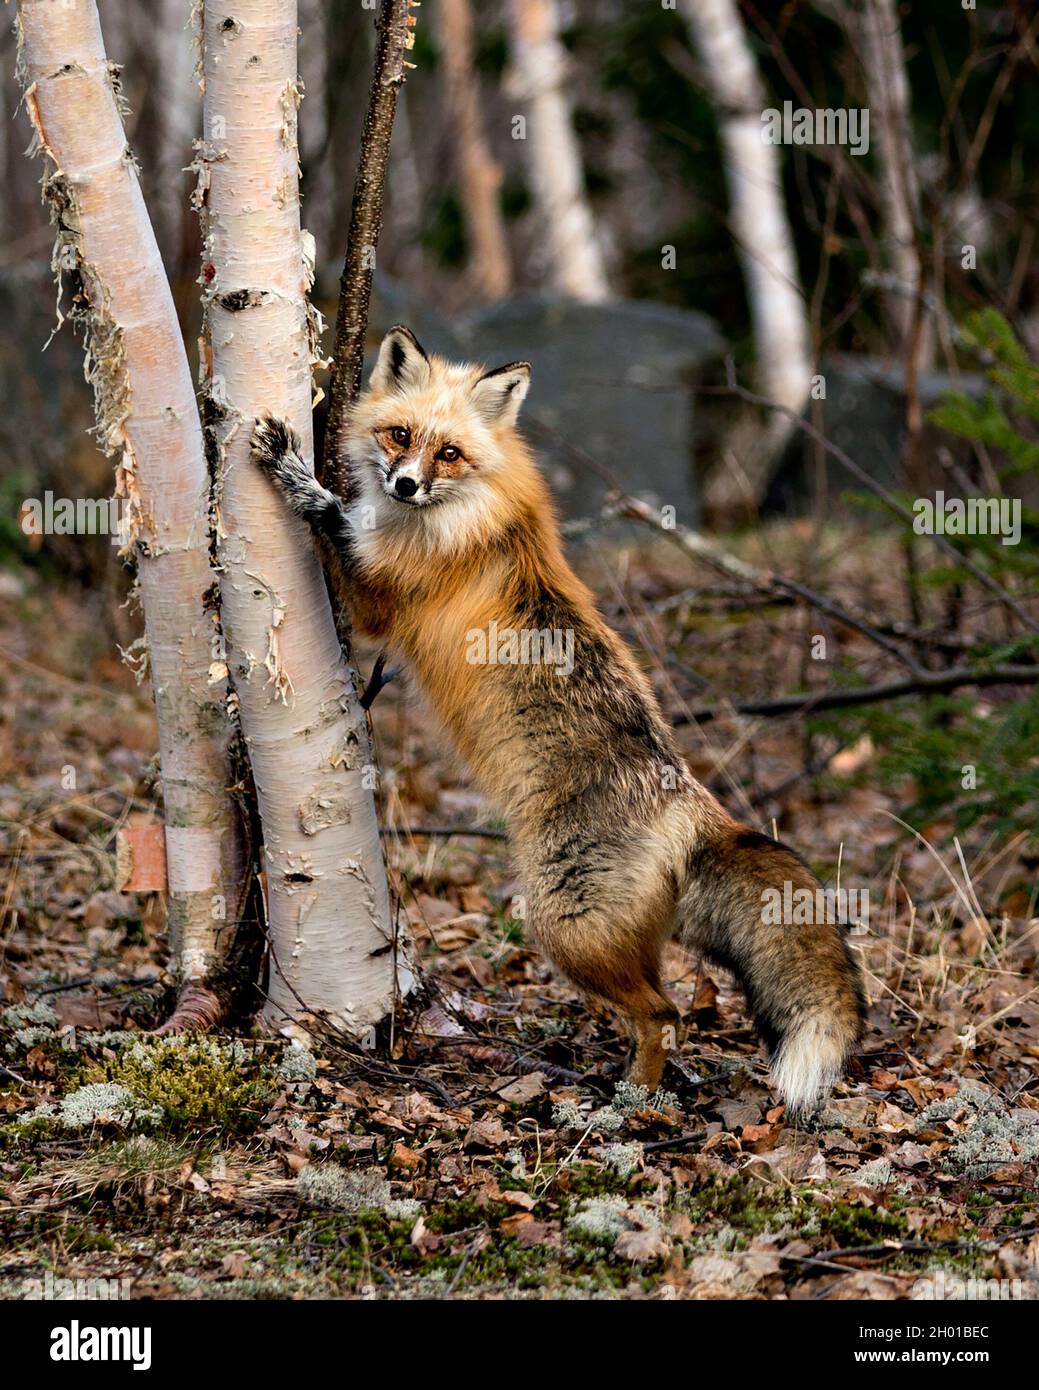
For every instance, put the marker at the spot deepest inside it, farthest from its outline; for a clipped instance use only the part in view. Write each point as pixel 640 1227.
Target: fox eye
pixel 449 453
pixel 401 435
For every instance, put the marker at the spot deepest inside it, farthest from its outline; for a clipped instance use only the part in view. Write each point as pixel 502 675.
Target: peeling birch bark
pixel 330 932
pixel 552 155
pixel 147 420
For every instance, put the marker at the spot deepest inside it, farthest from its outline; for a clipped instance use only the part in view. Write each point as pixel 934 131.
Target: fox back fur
pixel 449 535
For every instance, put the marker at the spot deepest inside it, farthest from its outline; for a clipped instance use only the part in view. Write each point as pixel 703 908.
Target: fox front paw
pixel 275 447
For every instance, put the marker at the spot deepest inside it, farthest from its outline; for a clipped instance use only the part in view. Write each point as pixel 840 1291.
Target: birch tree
pixel 875 33
pixel 553 159
pixel 330 929
pixel 760 226
pixel 147 420
pixel 479 174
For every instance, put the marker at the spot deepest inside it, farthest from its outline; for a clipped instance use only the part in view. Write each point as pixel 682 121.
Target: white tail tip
pixel 808 1062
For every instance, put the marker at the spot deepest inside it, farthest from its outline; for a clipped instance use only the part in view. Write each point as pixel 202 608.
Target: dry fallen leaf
pixel 519 1199
pixel 509 1225
pixel 487 1134
pixel 642 1247
pixel 526 1088
pixel 405 1160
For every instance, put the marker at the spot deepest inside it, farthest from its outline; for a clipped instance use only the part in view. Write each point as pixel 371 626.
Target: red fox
pixel 448 551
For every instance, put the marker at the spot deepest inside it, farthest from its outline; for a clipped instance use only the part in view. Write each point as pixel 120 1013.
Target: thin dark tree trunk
pixel 394 26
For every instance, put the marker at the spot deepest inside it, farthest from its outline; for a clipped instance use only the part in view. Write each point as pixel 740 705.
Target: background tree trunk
pixel 479 175
pixel 148 421
pixel 757 211
pixel 330 927
pixel 552 155
pixel 178 110
pixel 873 27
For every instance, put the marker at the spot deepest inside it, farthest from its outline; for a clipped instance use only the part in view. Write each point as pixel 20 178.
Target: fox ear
pixel 499 394
pixel 402 363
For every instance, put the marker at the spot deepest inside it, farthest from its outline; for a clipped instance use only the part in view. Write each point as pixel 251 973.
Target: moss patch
pixel 197 1082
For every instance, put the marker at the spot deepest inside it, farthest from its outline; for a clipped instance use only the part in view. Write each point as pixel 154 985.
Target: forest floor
pixel 489 1151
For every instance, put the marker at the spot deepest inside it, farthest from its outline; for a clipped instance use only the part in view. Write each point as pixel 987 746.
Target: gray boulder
pixel 864 413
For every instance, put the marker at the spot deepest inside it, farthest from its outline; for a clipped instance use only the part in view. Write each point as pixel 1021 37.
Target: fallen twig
pixel 701 547
pixel 931 682
pixel 442 831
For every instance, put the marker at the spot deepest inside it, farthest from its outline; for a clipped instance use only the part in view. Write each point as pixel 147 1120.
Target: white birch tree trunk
pixel 757 210
pixel 539 77
pixel 479 174
pixel 873 26
pixel 328 903
pixel 148 421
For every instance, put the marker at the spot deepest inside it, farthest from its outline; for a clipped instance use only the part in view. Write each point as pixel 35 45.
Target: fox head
pixel 431 442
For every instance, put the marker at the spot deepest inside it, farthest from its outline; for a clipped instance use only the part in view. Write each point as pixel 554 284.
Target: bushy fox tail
pixel 801 980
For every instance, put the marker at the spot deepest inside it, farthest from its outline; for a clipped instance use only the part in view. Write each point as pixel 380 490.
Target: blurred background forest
pixel 646 115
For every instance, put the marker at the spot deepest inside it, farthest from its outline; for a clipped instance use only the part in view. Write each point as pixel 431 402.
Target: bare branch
pixel 927 682
pixel 395 23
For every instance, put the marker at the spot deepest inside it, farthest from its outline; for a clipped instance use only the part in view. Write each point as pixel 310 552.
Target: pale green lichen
pixel 112 1037
pixel 23 1015
pixel 551 1027
pixel 566 1114
pixel 104 1102
pixel 517 1164
pixel 23 1039
pixel 100 1103
pixel 725 1240
pixel 994 1133
pixel 297 1064
pixel 878 1173
pixel 328 1185
pixel 622 1159
pixel 31 1025
pixel 627 1100
pixel 606 1119
pixel 969 1097
pixel 601 1220
pixel 611 1118
pixel 192 1048
pixel 45 1111
pixel 403 1209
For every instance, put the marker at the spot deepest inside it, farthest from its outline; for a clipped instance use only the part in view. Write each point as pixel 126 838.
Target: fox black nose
pixel 406 487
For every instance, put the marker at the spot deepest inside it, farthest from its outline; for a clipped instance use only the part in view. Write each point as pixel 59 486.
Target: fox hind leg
pixel 654 1022
pixel 622 968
